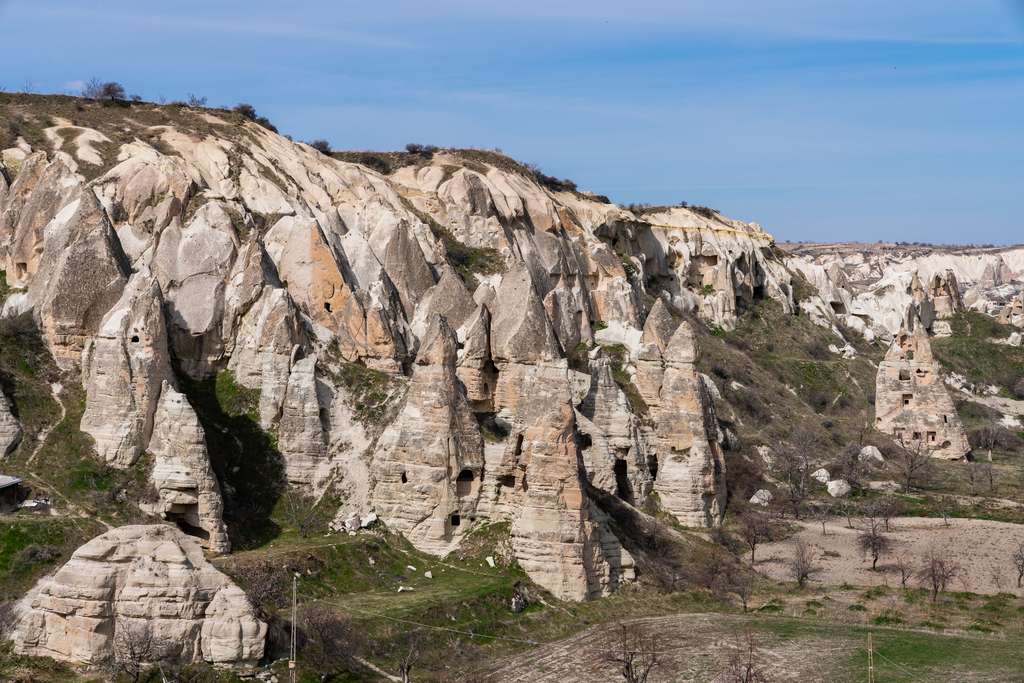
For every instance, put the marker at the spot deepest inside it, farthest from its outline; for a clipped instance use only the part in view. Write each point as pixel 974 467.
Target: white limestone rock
pixel 123 368
pixel 10 427
pixel 150 575
pixel 839 488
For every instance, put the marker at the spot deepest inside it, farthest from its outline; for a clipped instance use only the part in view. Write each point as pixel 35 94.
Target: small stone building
pixel 911 403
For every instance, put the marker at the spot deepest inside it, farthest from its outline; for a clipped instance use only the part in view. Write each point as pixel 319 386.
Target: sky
pixel 823 121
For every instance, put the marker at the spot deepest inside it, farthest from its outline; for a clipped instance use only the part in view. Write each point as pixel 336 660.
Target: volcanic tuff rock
pixel 123 368
pixel 911 403
pixel 429 462
pixel 10 427
pixel 240 250
pixel 150 576
pixel 185 483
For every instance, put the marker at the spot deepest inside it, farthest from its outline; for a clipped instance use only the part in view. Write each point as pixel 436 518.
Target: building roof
pixel 6 480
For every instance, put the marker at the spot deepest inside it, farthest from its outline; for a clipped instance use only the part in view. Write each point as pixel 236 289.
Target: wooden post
pixel 871 661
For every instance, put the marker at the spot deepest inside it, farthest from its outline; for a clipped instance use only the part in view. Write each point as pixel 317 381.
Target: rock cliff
pixel 383 318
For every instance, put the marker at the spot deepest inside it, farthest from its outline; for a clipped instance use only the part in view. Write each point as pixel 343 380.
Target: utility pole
pixel 871 661
pixel 295 616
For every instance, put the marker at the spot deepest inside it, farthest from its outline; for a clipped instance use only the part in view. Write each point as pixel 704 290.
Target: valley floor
pixel 982 548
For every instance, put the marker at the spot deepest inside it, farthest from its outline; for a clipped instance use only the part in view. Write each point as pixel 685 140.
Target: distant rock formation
pixel 911 403
pixel 152 577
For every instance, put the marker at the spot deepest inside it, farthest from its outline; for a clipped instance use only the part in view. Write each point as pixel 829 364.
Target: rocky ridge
pixel 242 251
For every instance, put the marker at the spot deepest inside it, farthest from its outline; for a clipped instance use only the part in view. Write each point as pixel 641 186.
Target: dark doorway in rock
pixel 135 339
pixel 519 445
pixel 623 489
pixel 195 531
pixel 585 442
pixel 456 520
pixel 652 466
pixel 508 482
pixel 404 478
pixel 464 483
pixel 327 306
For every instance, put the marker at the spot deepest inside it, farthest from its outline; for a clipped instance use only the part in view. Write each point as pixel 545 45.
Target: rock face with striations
pixel 911 403
pixel 154 577
pixel 238 250
pixel 429 462
pixel 186 485
pixel 691 467
pixel 123 368
pixel 10 428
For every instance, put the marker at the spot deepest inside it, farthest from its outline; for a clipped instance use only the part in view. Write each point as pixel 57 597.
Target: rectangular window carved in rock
pixel 908 400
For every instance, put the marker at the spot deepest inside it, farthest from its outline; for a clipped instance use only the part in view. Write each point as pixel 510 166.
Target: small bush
pixel 195 101
pixel 816 349
pixel 246 110
pixel 720 371
pixel 321 146
pixel 857 608
pixel 30 556
pixel 427 150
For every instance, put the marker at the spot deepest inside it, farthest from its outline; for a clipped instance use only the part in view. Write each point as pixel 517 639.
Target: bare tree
pixel 823 512
pixel 794 469
pixel 888 508
pixel 263 583
pixel 873 542
pixel 912 466
pixel 743 585
pixel 405 648
pixel 92 88
pixel 936 571
pixel 973 472
pixel 946 505
pixel 905 568
pixel 744 663
pixel 990 473
pixel 1018 561
pixel 802 564
pixel 304 513
pixel 112 91
pixel 133 647
pixel 630 648
pixel 331 641
pixel 755 526
pixel 194 101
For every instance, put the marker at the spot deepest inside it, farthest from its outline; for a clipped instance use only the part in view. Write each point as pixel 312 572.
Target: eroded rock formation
pixel 911 403
pixel 150 577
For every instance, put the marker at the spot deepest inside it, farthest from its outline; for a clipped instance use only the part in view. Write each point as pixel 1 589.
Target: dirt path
pixel 1004 405
pixel 43 435
pixel 982 548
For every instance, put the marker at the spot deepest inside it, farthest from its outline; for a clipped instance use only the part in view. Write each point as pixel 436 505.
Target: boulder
pixel 763 497
pixel 839 488
pixel 821 475
pixel 871 456
pixel 155 577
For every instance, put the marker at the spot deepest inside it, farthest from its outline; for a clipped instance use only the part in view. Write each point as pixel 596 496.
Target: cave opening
pixel 623 489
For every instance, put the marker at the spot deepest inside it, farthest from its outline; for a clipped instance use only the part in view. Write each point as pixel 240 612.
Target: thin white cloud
pixel 74 86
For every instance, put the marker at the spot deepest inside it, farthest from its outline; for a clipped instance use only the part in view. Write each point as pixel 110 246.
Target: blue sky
pixel 819 120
